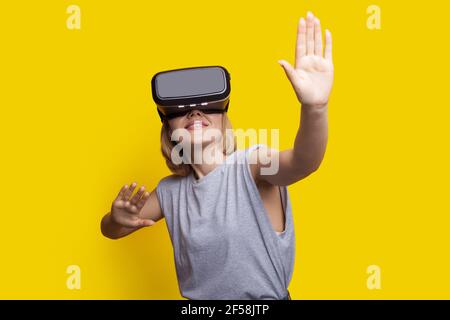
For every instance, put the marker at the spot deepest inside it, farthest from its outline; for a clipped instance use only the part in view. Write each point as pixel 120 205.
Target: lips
pixel 196 124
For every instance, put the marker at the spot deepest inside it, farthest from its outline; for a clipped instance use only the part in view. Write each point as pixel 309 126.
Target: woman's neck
pixel 206 161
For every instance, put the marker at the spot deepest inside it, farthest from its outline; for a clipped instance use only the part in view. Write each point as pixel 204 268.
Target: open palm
pixel 312 76
pixel 126 211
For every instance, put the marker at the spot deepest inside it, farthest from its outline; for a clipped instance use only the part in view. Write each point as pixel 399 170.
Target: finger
pixel 317 38
pixel 121 193
pixel 328 45
pixel 131 222
pixel 142 201
pixel 145 222
pixel 118 204
pixel 138 195
pixel 129 191
pixel 288 69
pixel 309 34
pixel 301 42
pixel 133 209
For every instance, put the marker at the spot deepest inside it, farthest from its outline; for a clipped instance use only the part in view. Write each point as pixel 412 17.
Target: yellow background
pixel 78 122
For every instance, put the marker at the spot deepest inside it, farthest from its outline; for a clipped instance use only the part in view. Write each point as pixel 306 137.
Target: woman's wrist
pixel 110 227
pixel 314 109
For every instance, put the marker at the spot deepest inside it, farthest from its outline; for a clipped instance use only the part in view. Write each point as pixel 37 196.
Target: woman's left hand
pixel 312 77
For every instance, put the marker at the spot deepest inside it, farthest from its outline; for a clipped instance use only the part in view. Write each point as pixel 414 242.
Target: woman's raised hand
pixel 312 77
pixel 125 210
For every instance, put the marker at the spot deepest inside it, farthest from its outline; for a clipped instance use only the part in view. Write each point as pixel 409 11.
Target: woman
pixel 230 225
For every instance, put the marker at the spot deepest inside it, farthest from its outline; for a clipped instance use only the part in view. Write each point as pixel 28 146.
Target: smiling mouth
pixel 197 124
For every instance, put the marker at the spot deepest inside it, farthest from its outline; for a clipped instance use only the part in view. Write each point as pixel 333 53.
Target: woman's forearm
pixel 312 79
pixel 311 139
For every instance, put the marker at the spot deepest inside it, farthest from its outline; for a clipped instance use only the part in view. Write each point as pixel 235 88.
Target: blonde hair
pixel 184 169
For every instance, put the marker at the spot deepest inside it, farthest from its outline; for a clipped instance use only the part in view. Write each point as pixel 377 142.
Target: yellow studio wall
pixel 78 122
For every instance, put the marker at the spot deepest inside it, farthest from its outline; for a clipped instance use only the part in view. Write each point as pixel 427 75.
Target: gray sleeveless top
pixel 224 244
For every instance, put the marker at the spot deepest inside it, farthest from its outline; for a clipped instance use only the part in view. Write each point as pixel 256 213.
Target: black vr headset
pixel 178 91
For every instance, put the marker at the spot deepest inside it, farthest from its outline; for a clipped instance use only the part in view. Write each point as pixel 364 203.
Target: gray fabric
pixel 223 242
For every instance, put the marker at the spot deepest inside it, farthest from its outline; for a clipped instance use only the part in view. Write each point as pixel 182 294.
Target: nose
pixel 194 112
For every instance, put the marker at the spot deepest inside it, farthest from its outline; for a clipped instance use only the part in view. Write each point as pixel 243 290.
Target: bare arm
pixel 312 80
pixel 128 215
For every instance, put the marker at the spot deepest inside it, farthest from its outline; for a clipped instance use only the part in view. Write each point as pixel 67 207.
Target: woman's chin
pixel 201 143
pixel 204 138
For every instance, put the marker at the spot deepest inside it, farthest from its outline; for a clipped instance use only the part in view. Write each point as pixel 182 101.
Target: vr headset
pixel 178 91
